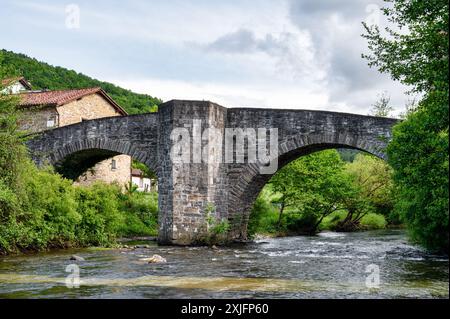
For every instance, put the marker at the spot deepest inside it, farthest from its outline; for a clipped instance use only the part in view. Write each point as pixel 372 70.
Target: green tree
pixel 416 54
pixel 419 156
pixel 144 168
pixel 382 107
pixel 372 178
pixel 12 154
pixel 264 216
pixel 285 184
pixel 315 185
pixel 11 149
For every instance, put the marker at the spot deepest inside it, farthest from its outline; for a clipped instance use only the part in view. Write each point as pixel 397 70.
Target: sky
pixel 301 54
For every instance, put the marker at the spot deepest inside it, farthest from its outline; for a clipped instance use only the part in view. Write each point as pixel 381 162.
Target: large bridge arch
pixel 300 133
pixel 251 182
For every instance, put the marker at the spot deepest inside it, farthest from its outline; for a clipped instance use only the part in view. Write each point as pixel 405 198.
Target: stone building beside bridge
pixel 45 109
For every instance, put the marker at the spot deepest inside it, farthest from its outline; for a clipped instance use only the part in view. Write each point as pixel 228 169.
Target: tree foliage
pixel 416 53
pixel 372 179
pixel 382 107
pixel 419 156
pixel 321 190
pixel 12 152
pixel 315 185
pixel 415 49
pixel 145 169
pixel 39 209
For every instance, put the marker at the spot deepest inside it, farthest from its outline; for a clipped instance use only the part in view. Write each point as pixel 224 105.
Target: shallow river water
pixel 330 265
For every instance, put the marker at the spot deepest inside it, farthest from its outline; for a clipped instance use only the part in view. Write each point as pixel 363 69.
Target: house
pixel 15 85
pixel 144 184
pixel 44 109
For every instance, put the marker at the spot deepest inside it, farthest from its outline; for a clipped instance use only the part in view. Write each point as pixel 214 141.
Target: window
pixel 113 164
pixel 51 122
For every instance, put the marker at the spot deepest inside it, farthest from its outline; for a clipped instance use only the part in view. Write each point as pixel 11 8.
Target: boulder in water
pixel 155 259
pixel 77 258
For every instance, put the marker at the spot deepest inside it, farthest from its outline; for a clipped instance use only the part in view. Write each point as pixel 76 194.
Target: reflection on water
pixel 330 265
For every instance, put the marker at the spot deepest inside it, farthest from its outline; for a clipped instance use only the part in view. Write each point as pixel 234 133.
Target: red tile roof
pixel 136 172
pixel 58 98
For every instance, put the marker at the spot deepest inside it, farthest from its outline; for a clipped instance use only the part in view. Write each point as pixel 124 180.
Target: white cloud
pixel 228 95
pixel 289 53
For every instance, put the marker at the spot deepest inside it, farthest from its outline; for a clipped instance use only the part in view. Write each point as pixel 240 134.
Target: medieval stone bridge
pixel 186 189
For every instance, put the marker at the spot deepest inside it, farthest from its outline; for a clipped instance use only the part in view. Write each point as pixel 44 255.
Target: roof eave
pixel 113 103
pixel 40 105
pixel 25 83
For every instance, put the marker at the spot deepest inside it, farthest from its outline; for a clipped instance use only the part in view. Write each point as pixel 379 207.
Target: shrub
pixel 140 211
pixel 221 227
pixel 369 222
pixel 214 231
pixel 9 202
pixel 99 208
pixel 50 209
pixel 332 220
pixel 264 216
pixel 301 223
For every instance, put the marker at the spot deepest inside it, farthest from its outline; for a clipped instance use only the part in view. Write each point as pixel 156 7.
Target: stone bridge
pixel 187 190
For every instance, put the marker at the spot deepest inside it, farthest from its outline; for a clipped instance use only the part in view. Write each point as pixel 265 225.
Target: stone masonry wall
pixel 35 119
pixel 187 189
pixel 103 171
pixel 300 132
pixel 87 108
pixel 92 107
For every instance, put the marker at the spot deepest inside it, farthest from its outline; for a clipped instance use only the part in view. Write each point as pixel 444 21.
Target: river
pixel 330 265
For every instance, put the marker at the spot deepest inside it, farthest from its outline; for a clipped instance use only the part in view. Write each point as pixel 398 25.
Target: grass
pixel 370 221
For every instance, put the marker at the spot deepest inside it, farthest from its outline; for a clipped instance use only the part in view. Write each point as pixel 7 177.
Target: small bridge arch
pixel 75 148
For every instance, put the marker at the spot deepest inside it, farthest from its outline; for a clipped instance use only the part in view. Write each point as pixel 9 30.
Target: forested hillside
pixel 45 76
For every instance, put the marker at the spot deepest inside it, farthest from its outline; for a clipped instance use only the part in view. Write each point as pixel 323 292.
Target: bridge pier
pixel 190 186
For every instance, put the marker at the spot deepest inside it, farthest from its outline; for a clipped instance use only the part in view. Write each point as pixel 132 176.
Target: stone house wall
pixel 104 171
pixel 89 107
pixel 86 108
pixel 37 119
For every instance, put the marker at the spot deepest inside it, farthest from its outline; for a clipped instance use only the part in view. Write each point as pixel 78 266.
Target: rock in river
pixel 77 258
pixel 155 259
